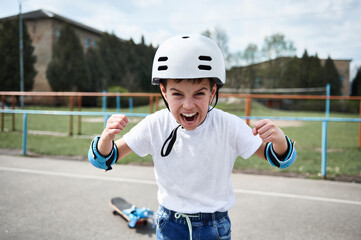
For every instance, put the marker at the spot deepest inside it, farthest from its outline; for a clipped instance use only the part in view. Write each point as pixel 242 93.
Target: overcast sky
pixel 326 27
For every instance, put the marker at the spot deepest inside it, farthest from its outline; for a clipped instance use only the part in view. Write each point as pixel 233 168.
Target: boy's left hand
pixel 269 132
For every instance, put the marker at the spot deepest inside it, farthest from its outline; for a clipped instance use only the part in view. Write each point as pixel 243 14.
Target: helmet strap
pixel 166 149
pixel 216 95
pixel 165 101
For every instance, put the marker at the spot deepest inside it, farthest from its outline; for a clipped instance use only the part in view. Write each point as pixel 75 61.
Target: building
pixel 44 28
pixel 264 75
pixel 343 68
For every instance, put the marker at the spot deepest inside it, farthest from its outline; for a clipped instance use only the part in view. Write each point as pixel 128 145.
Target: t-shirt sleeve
pixel 138 138
pixel 247 143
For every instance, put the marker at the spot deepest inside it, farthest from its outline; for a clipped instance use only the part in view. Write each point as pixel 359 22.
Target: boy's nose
pixel 188 104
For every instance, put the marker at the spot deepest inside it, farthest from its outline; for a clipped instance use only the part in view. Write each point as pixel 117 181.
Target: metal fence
pixel 325 120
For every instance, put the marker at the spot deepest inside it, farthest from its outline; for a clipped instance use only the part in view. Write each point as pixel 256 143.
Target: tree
pixel 220 36
pixel 95 68
pixel 113 56
pixel 250 53
pixel 332 77
pixel 356 84
pixel 315 75
pixel 9 58
pixel 276 46
pixel 125 63
pixel 67 70
pixel 292 75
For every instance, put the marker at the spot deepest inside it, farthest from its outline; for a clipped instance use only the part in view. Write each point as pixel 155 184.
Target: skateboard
pixel 133 215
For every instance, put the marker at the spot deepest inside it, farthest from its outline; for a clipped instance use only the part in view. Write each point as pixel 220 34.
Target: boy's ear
pixel 163 91
pixel 213 93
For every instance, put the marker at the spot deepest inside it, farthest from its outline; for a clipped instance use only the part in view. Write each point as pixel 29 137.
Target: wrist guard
pixel 283 161
pixel 99 161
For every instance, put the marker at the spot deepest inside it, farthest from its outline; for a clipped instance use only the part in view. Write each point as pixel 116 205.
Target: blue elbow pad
pixel 99 161
pixel 284 161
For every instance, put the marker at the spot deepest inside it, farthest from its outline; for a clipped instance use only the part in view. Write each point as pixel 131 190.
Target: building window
pixel 258 82
pixel 57 33
pixel 341 79
pixel 94 43
pixel 87 43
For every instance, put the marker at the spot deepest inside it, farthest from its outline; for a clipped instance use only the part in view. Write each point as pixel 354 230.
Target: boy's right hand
pixel 115 124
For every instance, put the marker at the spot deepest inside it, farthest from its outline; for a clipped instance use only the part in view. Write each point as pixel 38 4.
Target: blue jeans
pixel 209 226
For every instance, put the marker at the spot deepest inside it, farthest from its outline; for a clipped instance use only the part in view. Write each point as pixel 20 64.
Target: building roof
pixel 43 14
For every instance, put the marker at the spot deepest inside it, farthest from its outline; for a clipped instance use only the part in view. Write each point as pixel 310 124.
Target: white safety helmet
pixel 189 57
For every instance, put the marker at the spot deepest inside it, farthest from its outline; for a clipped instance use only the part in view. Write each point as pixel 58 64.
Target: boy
pixel 193 145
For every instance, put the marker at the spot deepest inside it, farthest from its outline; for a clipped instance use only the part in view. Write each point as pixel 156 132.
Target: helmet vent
pixel 205 67
pixel 162 59
pixel 185 37
pixel 162 68
pixel 205 58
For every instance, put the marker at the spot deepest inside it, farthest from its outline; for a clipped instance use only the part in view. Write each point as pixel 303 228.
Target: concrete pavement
pixel 43 198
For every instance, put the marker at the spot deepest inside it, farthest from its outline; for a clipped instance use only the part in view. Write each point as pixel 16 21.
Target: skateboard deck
pixel 130 213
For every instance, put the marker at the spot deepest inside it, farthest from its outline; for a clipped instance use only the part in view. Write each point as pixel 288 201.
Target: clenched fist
pixel 115 124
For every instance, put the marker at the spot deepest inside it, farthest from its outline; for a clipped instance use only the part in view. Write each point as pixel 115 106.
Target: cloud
pixel 328 27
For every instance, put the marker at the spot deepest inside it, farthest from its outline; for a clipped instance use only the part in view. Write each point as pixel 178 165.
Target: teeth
pixel 189 115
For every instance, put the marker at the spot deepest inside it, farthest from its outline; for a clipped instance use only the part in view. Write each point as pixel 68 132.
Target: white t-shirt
pixel 195 176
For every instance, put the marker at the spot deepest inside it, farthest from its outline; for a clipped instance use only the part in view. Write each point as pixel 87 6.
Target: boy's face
pixel 189 100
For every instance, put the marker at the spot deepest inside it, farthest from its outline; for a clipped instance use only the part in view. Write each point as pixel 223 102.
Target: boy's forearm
pixel 280 146
pixel 105 146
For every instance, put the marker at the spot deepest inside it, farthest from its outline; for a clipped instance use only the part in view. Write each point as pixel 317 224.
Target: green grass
pixel 344 156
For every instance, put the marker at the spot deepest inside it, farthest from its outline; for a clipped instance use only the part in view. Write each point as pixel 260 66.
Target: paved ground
pixel 44 198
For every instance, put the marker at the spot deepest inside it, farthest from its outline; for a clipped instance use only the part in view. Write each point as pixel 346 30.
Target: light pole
pixel 21 47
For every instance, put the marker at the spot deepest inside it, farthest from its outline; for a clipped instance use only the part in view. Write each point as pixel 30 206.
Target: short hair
pixel 193 80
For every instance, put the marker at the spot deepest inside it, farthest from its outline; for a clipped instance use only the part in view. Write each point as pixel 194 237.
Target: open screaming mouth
pixel 189 117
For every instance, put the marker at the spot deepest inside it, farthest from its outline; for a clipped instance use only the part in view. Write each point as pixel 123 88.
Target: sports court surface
pixel 43 198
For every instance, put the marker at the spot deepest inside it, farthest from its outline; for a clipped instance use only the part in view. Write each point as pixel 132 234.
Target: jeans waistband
pixel 195 217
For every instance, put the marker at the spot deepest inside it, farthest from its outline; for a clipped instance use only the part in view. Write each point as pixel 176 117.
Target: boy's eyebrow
pixel 201 89
pixel 174 89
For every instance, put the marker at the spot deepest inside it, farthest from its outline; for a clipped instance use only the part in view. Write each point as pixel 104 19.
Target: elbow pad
pixel 284 161
pixel 99 161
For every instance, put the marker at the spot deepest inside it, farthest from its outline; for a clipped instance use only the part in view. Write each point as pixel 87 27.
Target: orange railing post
pixel 79 117
pixel 2 114
pixel 156 103
pixel 248 109
pixel 13 115
pixel 359 129
pixel 71 103
pixel 150 104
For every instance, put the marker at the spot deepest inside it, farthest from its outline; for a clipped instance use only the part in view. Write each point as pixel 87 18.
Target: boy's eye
pixel 176 94
pixel 200 93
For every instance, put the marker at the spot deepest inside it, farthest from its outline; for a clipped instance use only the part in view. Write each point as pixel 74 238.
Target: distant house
pixel 44 28
pixel 249 79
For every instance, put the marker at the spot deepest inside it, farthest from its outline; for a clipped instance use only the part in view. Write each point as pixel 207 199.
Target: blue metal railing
pixel 106 115
pixel 324 121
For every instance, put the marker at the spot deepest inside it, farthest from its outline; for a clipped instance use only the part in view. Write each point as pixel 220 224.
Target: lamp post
pixel 21 47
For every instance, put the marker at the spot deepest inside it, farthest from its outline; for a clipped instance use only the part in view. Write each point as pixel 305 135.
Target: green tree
pixel 277 46
pixel 10 55
pixel 220 36
pixel 332 77
pixel 315 75
pixel 292 75
pixel 67 70
pixel 356 84
pixel 250 53
pixel 125 63
pixel 95 68
pixel 113 56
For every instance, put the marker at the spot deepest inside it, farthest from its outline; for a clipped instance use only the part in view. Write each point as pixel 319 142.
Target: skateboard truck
pixel 130 213
pixel 138 214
